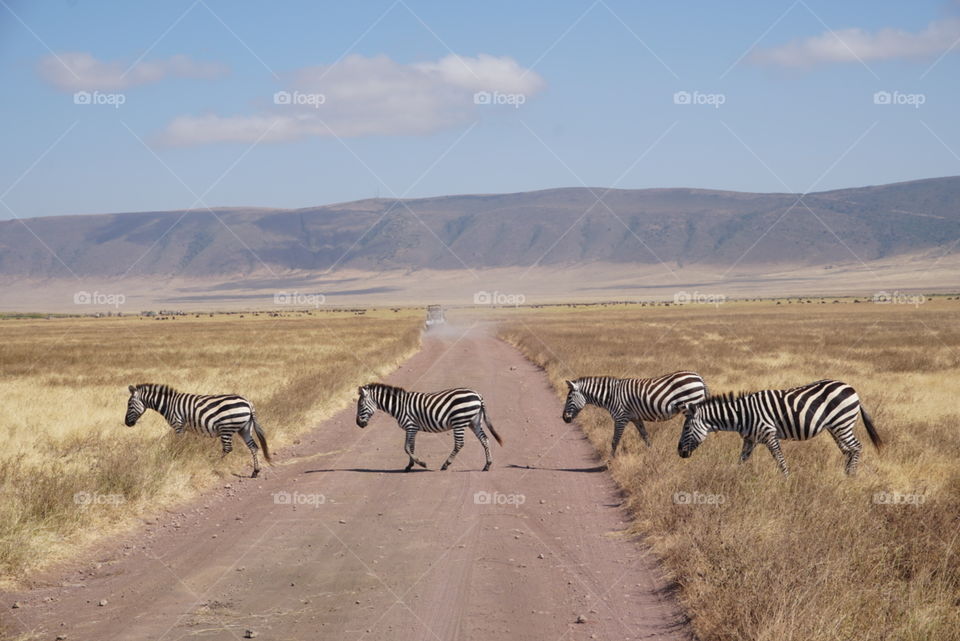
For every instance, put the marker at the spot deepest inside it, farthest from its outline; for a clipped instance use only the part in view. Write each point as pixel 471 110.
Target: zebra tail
pixel 871 430
pixel 483 412
pixel 262 437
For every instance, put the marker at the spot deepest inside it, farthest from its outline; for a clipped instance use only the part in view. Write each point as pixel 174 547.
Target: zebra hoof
pixel 255 474
pixel 486 468
pixel 422 464
pixel 444 466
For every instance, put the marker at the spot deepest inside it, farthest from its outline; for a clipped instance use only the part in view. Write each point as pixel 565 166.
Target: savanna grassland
pixel 817 555
pixel 63 385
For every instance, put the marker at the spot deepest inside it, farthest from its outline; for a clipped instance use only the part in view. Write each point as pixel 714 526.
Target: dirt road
pixel 361 551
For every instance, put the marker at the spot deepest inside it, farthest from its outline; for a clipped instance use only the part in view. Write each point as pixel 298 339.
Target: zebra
pixel 769 416
pixel 634 399
pixel 452 409
pixel 221 416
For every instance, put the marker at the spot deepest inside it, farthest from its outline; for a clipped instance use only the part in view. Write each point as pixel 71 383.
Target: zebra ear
pixel 360 391
pixel 132 388
pixel 570 385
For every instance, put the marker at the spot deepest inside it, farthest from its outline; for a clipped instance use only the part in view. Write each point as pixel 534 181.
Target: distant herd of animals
pixel 765 417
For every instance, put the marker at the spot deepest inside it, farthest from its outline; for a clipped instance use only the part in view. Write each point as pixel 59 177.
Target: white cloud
pixel 851 45
pixel 483 73
pixel 365 96
pixel 77 70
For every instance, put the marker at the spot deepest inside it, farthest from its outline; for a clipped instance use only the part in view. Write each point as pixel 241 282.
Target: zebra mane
pixel 155 387
pixel 383 387
pixel 595 382
pixel 723 398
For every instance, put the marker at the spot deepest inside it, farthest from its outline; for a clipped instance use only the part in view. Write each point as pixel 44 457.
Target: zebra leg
pixel 482 437
pixel 409 446
pixel 850 445
pixel 773 444
pixel 247 434
pixel 619 424
pixel 642 430
pixel 853 460
pixel 226 442
pixel 457 445
pixel 748 445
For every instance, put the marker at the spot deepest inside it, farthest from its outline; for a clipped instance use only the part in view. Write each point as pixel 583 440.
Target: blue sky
pixel 386 99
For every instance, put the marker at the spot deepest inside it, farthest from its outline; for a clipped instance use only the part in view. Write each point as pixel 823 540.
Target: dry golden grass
pixel 812 557
pixel 64 391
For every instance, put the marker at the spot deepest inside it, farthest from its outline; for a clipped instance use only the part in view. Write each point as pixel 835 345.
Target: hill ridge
pixel 559 226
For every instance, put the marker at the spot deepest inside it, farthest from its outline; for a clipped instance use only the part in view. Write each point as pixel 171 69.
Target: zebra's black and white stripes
pixel 770 416
pixel 453 409
pixel 221 416
pixel 634 399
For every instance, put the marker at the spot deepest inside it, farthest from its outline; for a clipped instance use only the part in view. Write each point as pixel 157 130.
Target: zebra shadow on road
pixel 400 470
pixel 367 470
pixel 586 470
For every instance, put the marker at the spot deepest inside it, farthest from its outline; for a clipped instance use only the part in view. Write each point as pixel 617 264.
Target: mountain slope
pixel 681 227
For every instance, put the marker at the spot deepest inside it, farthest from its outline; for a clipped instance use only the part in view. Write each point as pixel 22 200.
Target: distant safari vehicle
pixel 435 315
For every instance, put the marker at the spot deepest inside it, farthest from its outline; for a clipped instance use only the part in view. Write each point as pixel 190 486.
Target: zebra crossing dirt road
pixel 336 542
